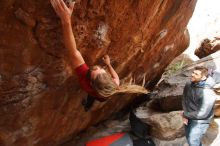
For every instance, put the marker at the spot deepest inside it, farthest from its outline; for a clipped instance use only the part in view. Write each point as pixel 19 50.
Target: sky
pixel 205 23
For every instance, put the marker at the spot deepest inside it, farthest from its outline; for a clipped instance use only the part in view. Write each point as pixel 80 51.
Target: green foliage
pixel 176 67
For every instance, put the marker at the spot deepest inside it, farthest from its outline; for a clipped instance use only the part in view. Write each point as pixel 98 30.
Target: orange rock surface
pixel 40 98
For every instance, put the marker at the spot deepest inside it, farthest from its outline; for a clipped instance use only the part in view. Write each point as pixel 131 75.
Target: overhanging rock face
pixel 40 98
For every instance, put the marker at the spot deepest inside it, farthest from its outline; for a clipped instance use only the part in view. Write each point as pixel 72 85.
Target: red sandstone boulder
pixel 40 98
pixel 208 47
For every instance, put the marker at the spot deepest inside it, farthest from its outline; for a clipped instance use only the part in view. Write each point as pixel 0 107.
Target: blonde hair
pixel 106 87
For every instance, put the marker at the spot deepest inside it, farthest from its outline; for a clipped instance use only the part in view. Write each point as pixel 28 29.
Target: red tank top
pixel 85 84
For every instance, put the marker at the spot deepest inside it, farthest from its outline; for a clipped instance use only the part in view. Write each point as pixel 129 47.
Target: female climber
pixel 96 81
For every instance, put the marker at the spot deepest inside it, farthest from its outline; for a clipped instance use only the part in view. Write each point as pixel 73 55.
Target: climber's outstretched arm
pixel 111 70
pixel 65 13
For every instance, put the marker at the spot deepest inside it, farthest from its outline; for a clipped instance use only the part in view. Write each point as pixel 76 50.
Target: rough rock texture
pixel 207 47
pixel 170 89
pixel 168 129
pixel 164 125
pixel 40 98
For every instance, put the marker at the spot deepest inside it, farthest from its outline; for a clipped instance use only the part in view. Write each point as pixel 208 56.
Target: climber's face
pixel 95 70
